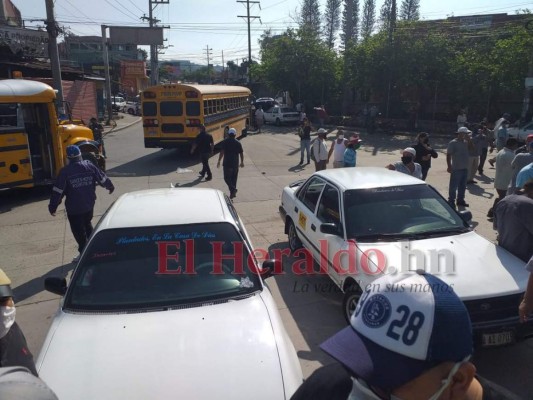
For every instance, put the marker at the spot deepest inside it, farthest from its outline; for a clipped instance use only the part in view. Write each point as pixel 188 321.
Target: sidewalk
pixel 121 121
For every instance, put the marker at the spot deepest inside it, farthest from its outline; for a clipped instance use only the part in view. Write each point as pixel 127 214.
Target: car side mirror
pixel 270 268
pixel 56 285
pixel 466 216
pixel 330 228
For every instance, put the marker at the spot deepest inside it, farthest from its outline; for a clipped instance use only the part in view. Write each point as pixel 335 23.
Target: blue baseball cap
pixel 402 327
pixel 73 151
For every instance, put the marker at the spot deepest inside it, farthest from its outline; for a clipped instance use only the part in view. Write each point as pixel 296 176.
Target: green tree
pixel 332 21
pixel 309 18
pixel 410 10
pixel 350 23
pixel 369 19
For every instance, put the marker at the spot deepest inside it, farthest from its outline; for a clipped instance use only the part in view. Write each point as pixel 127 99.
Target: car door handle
pixel 295 209
pixel 313 227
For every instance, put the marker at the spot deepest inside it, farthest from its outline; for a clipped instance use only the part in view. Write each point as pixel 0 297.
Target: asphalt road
pixel 34 245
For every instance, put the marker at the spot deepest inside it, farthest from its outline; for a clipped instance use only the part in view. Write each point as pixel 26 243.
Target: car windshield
pixel 153 267
pixel 399 211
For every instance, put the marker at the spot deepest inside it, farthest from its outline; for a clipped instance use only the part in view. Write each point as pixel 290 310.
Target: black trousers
pixel 81 227
pixel 482 159
pixel 204 158
pixel 230 177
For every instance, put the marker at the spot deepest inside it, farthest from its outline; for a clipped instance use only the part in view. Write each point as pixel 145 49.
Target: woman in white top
pixel 407 165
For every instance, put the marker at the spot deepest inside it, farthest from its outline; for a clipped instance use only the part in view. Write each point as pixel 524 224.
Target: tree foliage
pixel 309 19
pixel 410 10
pixel 368 19
pixel 332 21
pixel 350 23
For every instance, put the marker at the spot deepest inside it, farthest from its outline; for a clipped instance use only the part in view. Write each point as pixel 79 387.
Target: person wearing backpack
pixel 320 150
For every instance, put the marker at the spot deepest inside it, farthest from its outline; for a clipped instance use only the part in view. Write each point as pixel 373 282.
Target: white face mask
pixel 7 319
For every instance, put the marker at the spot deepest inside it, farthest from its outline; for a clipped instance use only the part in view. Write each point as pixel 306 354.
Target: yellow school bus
pixel 33 140
pixel 172 113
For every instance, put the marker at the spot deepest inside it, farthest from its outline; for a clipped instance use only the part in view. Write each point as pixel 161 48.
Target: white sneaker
pixel 76 259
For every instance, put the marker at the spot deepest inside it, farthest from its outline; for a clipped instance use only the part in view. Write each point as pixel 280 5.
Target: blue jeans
pixel 457 185
pixel 305 145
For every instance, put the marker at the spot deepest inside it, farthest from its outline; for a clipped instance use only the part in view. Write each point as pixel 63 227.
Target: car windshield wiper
pixel 446 231
pixel 386 236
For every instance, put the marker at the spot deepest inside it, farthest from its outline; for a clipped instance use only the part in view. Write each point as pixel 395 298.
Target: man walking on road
pixel 457 157
pixel 205 145
pixel 98 134
pixel 320 150
pixel 230 151
pixel 77 183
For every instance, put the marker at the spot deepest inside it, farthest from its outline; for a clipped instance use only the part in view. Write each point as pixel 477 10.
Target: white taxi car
pixel 166 301
pixel 281 115
pixel 359 223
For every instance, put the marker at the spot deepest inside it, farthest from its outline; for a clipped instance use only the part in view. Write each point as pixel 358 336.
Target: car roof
pixel 367 177
pixel 172 206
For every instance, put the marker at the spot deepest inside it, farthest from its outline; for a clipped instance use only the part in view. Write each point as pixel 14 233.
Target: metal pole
pixel 105 54
pixel 53 31
pixel 153 50
pixel 435 104
pixel 249 43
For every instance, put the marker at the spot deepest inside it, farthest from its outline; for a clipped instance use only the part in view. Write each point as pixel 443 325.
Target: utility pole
pixel 208 53
pixel 105 53
pixel 392 28
pixel 53 32
pixel 249 18
pixel 154 64
pixel 223 69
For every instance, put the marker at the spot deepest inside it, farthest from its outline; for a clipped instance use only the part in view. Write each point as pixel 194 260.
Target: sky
pixel 199 25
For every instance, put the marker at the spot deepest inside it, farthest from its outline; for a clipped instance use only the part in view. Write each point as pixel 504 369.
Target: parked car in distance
pixel 132 108
pixel 168 298
pixel 265 103
pixel 521 133
pixel 360 223
pixel 118 103
pixel 281 115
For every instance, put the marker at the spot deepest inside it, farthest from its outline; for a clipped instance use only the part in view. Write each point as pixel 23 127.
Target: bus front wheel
pixel 93 159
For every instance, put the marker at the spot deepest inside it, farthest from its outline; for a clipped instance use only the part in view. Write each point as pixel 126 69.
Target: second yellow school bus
pixel 171 113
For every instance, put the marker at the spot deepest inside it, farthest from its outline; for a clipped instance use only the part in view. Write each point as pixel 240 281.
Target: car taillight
pixel 192 122
pixel 150 122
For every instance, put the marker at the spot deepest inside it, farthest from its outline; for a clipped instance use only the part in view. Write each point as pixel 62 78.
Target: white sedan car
pixel 166 302
pixel 521 133
pixel 359 223
pixel 281 115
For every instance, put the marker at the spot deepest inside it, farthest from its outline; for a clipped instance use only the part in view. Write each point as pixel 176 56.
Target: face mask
pixel 407 160
pixel 7 319
pixel 445 382
pixel 341 137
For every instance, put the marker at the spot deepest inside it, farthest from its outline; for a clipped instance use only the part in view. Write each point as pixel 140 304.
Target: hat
pixel 409 150
pixel 529 137
pixel 73 151
pixel 322 131
pixel 403 326
pixel 464 129
pixel 232 131
pixel 5 285
pixel 18 383
pixel 354 140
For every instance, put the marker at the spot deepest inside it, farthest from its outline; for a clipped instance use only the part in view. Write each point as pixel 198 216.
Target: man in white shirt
pixel 320 150
pixel 337 150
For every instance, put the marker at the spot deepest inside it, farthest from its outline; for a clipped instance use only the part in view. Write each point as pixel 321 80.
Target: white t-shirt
pixel 338 150
pixel 320 150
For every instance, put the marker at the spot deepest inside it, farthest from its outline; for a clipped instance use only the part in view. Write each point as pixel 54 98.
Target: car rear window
pixel 141 268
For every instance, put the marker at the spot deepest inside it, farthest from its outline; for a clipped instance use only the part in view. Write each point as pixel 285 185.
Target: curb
pixel 119 128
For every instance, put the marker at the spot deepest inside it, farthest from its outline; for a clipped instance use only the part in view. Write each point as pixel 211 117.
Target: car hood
pixel 217 351
pixel 475 267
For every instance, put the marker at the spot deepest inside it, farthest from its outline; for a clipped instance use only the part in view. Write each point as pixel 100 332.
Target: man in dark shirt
pixel 13 347
pixel 305 141
pixel 410 337
pixel 77 183
pixel 514 222
pixel 424 153
pixel 98 133
pixel 230 151
pixel 204 144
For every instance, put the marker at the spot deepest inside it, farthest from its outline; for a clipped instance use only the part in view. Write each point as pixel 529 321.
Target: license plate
pixel 497 339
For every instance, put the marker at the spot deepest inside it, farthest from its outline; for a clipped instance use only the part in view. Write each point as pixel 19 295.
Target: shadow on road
pixel 12 198
pixel 36 285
